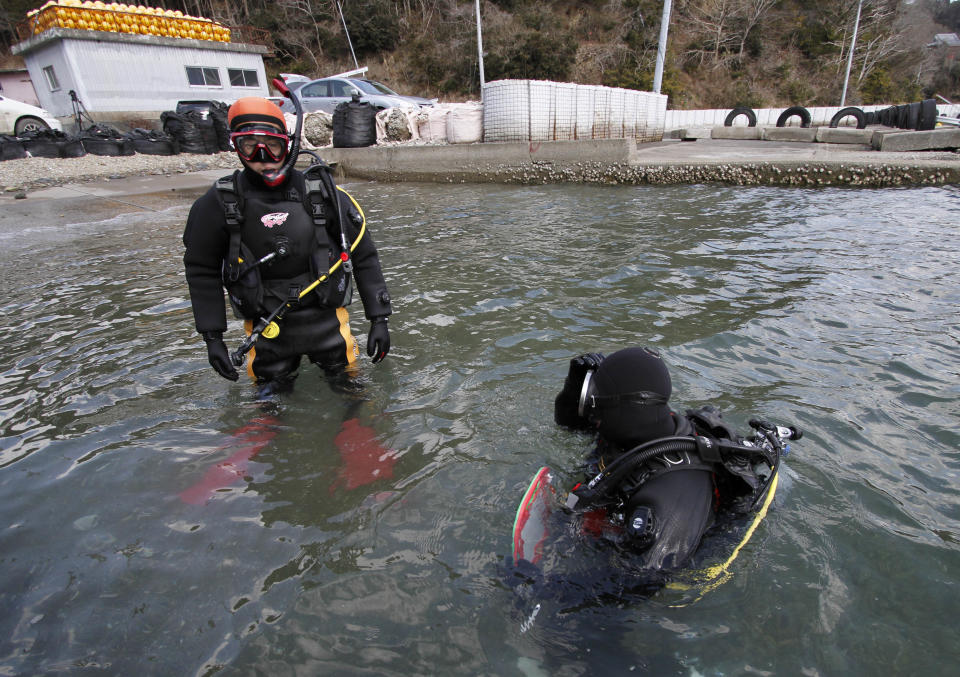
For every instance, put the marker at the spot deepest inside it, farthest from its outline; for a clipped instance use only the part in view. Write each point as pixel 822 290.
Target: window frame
pixel 205 73
pixel 50 77
pixel 245 75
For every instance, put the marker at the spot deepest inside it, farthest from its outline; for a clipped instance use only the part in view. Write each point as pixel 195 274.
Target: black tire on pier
pixel 800 111
pixel 850 111
pixel 737 112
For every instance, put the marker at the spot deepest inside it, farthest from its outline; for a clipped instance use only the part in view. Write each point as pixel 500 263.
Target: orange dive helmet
pixel 252 110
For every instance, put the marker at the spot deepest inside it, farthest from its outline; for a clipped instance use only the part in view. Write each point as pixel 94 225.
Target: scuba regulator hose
pixel 267 326
pixel 601 488
pixel 274 178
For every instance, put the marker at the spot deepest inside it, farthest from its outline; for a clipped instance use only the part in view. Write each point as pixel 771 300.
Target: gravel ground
pixel 32 173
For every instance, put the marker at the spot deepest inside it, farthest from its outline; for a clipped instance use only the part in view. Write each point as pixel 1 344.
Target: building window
pixel 203 77
pixel 243 78
pixel 51 77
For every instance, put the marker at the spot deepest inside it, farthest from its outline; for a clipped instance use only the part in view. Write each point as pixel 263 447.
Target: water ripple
pixel 834 310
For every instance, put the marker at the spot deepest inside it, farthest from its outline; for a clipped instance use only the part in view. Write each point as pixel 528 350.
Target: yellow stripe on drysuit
pixel 351 348
pixel 353 352
pixel 252 355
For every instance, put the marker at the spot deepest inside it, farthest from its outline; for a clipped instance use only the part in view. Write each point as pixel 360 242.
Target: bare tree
pixel 305 33
pixel 752 14
pixel 877 40
pixel 723 27
pixel 711 21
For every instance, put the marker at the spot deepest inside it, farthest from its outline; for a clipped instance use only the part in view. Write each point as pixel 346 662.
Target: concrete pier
pixel 735 155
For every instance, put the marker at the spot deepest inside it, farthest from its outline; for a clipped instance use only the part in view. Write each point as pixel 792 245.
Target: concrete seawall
pixel 790 157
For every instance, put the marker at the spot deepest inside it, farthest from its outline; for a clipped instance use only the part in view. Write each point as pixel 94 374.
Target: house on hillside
pixel 946 46
pixel 15 84
pixel 130 65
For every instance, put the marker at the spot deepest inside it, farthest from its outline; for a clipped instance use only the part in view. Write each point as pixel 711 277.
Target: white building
pixel 124 76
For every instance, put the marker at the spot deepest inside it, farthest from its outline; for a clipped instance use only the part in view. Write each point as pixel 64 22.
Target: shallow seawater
pixel 156 519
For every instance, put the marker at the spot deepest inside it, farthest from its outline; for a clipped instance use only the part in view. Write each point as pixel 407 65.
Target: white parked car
pixel 17 117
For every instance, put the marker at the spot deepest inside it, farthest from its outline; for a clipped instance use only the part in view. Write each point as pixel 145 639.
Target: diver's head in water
pixel 627 398
pixel 259 134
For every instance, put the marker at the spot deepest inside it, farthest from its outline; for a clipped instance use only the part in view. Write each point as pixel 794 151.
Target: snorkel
pixel 275 177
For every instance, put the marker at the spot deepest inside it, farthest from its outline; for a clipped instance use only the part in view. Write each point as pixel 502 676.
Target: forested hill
pixel 721 53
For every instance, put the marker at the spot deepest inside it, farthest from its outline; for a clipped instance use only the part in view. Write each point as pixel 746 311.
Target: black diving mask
pixel 591 404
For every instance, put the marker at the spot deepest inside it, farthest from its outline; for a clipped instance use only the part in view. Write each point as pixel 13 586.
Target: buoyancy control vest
pixel 736 480
pixel 280 241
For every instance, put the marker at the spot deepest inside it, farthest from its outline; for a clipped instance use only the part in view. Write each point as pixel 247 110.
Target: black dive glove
pixel 568 400
pixel 378 342
pixel 218 355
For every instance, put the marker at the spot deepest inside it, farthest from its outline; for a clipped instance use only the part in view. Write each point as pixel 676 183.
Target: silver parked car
pixel 327 93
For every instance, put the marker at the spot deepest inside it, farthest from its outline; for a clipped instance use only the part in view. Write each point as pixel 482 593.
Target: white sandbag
pixel 465 123
pixel 432 123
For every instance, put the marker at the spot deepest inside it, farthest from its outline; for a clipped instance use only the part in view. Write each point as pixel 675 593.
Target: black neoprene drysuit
pixel 278 220
pixel 665 506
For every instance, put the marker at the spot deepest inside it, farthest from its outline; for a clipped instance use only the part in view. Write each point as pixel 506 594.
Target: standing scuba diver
pixel 283 243
pixel 661 479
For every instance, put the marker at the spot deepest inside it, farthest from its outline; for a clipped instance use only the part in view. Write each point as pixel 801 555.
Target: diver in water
pixel 267 234
pixel 663 479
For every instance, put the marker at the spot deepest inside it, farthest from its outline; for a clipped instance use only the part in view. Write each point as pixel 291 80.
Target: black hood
pixel 630 423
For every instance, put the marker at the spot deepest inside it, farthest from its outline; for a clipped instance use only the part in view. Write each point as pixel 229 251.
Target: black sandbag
pixel 218 113
pixel 193 133
pixel 72 147
pixel 51 143
pixel 41 147
pixel 102 139
pixel 98 145
pixel 152 142
pixel 11 148
pixel 177 128
pixel 354 125
pixel 208 132
pixel 101 131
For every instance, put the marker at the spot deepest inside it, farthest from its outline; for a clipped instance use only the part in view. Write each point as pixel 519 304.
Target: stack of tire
pixel 101 139
pixel 921 116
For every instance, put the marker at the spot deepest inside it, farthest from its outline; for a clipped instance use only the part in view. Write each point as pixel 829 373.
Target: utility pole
pixel 347 33
pixel 661 47
pixel 853 43
pixel 480 49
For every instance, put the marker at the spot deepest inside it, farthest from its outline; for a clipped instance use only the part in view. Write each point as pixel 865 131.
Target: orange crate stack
pixel 119 18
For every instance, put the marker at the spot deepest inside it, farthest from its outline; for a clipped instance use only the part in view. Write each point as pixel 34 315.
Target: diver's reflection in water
pixel 362 458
